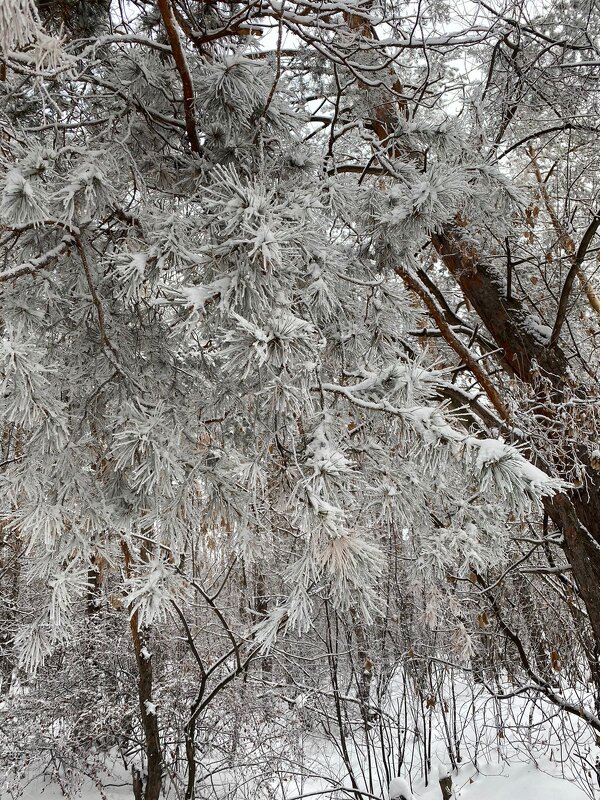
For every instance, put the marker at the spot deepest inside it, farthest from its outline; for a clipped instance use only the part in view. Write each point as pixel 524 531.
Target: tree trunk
pixel 150 789
pixel 10 568
pixel 576 514
pixel 364 669
pixel 446 787
pixel 153 783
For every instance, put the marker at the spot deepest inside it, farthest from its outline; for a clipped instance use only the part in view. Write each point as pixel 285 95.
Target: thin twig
pixel 568 285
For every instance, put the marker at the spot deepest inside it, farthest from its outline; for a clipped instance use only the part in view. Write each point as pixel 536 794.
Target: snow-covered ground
pixel 514 782
pixel 517 750
pixel 492 782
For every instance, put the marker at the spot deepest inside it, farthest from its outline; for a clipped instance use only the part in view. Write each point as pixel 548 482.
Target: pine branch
pixel 39 263
pixel 166 13
pixel 413 283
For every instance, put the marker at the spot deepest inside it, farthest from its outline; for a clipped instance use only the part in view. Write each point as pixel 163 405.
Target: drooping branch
pixel 540 684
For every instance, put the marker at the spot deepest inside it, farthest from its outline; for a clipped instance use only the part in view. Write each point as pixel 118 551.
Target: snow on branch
pixel 33 265
pixel 499 466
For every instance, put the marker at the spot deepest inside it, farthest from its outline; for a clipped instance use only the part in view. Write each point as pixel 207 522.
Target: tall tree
pixel 223 315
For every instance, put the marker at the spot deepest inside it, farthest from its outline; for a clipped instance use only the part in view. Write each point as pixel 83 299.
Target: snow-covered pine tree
pixel 205 333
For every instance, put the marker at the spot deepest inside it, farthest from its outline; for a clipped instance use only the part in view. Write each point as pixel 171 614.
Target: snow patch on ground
pixel 505 782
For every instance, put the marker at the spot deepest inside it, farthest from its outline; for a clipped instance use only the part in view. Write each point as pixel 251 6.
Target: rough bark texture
pixel 577 515
pixel 151 787
pixel 522 354
pixel 153 783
